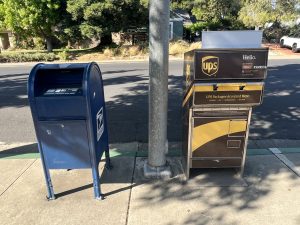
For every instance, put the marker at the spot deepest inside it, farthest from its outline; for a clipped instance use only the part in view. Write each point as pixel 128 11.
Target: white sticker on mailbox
pixel 100 123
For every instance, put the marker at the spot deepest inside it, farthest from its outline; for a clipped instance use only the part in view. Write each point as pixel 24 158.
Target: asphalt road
pixel 126 85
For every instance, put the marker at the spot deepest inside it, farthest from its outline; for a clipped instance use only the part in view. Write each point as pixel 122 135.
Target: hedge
pixel 27 57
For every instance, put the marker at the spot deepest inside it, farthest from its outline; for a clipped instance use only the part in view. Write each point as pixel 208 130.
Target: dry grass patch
pixel 180 47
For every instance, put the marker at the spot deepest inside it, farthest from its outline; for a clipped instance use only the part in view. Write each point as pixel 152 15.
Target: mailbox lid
pixel 216 94
pixel 65 144
pixel 62 107
pixel 59 92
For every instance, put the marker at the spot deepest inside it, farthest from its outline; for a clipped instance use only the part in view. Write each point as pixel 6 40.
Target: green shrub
pixel 64 55
pixel 236 25
pixel 199 26
pixel 215 25
pixel 295 30
pixel 27 57
pixel 275 32
pixel 39 43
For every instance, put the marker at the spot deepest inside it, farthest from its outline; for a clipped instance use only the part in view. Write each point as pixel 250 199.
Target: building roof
pixel 185 15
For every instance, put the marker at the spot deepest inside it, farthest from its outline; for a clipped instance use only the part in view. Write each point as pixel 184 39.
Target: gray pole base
pixel 159 172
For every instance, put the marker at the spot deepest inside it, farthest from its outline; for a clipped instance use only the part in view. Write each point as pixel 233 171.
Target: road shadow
pixel 128 112
pixel 13 90
pixel 277 118
pixel 279 115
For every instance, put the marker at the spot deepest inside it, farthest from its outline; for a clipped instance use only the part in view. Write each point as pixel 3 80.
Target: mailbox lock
pixel 49 132
pixel 62 125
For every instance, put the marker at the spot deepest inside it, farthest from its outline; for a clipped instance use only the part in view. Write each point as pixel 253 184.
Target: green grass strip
pixel 261 151
pixel 20 156
pixel 144 153
pixel 289 150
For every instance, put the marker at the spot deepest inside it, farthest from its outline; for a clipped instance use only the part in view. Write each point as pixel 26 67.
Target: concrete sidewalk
pixel 267 194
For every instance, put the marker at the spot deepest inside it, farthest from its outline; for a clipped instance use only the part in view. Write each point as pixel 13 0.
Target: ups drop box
pixel 222 86
pixel 225 64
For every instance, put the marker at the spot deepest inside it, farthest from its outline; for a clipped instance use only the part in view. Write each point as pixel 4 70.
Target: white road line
pixel 285 160
pixel 275 150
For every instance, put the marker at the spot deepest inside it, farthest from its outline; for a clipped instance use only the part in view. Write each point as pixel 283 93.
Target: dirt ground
pixel 281 51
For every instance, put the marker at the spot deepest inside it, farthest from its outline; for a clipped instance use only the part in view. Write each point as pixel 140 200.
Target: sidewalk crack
pixel 289 164
pixel 131 186
pixel 17 178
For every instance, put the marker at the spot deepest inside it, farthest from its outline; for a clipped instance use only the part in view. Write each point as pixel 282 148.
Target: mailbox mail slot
pixel 218 94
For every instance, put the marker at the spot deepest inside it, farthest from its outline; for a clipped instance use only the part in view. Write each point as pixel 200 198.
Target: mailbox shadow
pixel 15 151
pixel 121 174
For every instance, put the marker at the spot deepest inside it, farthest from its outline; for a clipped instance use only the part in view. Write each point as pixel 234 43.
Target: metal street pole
pixel 159 13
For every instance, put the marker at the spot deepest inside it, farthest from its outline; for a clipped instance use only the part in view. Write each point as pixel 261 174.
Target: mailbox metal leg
pixel 96 182
pixel 51 195
pixel 50 191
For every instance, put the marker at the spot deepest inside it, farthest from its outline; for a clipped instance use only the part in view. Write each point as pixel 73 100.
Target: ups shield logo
pixel 210 65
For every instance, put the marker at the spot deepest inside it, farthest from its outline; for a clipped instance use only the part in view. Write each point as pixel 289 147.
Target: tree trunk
pixel 106 40
pixel 49 44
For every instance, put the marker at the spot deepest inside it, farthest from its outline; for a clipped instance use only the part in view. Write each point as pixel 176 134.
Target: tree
pixel 98 18
pixel 215 10
pixel 259 12
pixel 1 16
pixel 32 18
pixel 182 4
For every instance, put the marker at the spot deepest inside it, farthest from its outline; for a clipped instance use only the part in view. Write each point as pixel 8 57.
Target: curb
pixel 127 61
pixel 144 153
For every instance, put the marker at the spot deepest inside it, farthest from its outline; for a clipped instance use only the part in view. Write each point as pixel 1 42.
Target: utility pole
pixel 159 14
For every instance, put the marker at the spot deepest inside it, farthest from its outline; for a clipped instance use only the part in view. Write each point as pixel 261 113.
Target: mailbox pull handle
pixel 215 87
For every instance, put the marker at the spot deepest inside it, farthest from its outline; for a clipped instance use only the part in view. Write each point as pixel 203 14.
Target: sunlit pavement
pixel 268 193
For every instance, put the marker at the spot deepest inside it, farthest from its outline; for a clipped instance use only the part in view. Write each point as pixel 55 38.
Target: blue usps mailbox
pixel 68 110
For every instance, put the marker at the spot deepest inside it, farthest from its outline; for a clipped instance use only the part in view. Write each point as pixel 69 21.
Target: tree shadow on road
pixel 128 113
pixel 279 115
pixel 13 90
pixel 276 118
